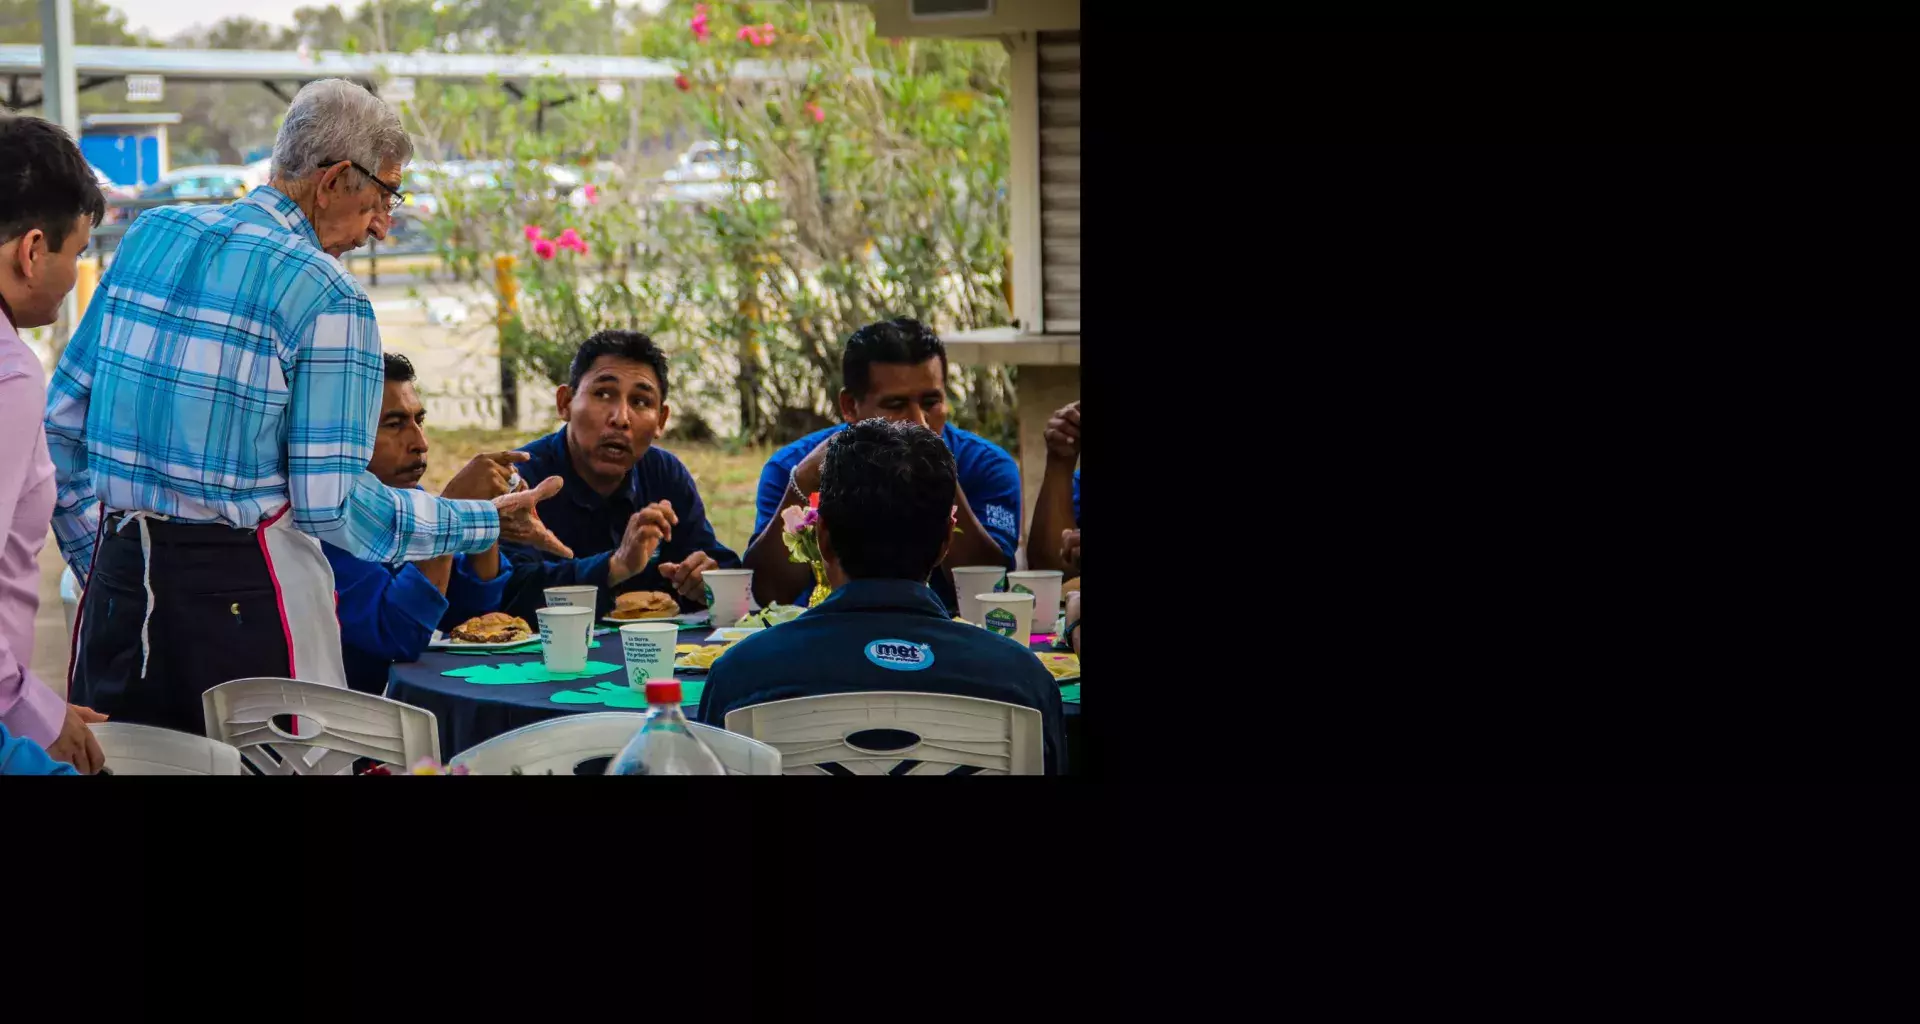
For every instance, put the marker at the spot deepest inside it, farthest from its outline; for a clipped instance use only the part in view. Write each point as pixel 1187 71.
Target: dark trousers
pixel 216 617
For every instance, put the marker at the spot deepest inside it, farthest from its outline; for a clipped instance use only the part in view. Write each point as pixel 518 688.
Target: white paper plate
pixel 440 642
pixel 726 634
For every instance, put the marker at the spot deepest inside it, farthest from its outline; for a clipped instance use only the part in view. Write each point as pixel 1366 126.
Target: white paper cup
pixel 729 594
pixel 1010 615
pixel 969 580
pixel 1044 585
pixel 571 597
pixel 648 648
pixel 563 637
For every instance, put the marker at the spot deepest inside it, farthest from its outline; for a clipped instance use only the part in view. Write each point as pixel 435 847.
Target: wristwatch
pixel 1066 635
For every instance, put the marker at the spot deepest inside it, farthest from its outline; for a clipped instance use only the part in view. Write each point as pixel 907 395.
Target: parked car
pixel 709 172
pixel 208 181
pixel 113 193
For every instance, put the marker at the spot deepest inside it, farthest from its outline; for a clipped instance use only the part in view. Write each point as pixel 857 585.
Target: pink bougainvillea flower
pixel 818 114
pixel 593 194
pixel 766 33
pixel 534 232
pixel 700 28
pixel 543 249
pixel 748 34
pixel 568 238
pixel 680 82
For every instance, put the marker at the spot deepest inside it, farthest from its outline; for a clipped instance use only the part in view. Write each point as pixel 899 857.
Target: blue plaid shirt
pixel 226 367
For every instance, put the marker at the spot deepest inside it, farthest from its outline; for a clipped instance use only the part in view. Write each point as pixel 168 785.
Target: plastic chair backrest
pixel 558 745
pixel 890 733
pixel 336 726
pixel 149 750
pixel 69 597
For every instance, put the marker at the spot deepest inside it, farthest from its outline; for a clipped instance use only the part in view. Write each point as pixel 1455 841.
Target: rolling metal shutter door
pixel 1060 181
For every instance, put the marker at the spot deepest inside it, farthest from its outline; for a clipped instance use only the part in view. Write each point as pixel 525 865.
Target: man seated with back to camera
pixel 886 520
pixel 388 612
pixel 629 510
pixel 895 370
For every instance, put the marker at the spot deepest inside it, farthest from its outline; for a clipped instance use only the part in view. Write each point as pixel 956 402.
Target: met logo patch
pixel 900 655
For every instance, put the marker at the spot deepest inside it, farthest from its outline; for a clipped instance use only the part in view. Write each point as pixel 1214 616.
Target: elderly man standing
pixel 211 423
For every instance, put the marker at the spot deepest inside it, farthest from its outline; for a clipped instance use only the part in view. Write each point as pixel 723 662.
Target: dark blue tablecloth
pixel 472 713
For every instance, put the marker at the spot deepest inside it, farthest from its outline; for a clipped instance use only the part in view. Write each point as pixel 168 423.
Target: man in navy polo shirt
pixel 388 612
pixel 630 511
pixel 895 370
pixel 886 519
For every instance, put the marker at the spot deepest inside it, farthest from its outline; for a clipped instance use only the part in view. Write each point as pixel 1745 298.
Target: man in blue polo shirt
pixel 630 511
pixel 886 519
pixel 894 370
pixel 388 612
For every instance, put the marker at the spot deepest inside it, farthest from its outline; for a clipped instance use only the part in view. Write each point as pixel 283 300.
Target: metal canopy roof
pixel 289 65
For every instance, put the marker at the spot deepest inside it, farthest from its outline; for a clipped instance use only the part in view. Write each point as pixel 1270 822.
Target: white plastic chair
pixel 560 744
pixel 890 733
pixel 336 726
pixel 149 750
pixel 69 597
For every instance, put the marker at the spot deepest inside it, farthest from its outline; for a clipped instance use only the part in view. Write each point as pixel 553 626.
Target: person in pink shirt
pixel 49 205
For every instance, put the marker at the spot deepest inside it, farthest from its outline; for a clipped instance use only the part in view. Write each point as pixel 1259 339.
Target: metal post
pixel 60 103
pixel 58 83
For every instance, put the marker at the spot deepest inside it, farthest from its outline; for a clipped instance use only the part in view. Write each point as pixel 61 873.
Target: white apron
pixel 303 592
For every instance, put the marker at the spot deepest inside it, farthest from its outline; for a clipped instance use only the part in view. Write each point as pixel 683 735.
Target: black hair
pixel 44 181
pixel 902 340
pixel 399 368
pixel 886 497
pixel 624 344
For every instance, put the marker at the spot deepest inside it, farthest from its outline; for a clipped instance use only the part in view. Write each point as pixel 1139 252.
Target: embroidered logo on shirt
pixel 999 517
pixel 900 655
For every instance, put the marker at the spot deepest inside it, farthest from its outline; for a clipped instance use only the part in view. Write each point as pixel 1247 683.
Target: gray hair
pixel 333 120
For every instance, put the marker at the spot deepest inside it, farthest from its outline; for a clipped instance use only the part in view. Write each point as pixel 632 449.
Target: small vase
pixel 821 591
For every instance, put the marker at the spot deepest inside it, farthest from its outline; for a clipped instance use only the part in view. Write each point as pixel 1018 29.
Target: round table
pixel 470 713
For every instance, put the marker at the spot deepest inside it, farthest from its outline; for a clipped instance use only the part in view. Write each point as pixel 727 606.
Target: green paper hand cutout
pixel 1070 693
pixel 620 695
pixel 612 694
pixel 524 672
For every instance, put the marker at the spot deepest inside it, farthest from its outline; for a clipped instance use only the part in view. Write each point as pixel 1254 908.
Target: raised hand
pixel 520 518
pixel 646 530
pixel 1063 432
pixel 486 476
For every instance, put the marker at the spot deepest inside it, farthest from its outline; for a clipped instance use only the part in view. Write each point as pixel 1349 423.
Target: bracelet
pixel 1066 635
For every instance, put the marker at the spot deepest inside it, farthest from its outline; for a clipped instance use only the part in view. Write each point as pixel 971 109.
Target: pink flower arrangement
pixel 803 542
pixel 534 232
pixel 544 249
pixel 814 109
pixel 757 35
pixel 699 23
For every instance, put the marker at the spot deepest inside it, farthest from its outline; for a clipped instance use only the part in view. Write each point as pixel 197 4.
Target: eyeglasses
pixel 395 197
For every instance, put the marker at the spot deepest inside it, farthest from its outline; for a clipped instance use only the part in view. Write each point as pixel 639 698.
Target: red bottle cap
pixel 663 691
